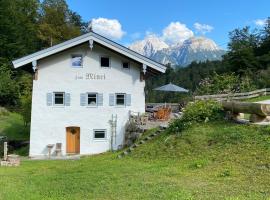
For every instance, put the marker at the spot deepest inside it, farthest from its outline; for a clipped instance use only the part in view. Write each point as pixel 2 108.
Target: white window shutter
pixel 49 99
pixel 67 99
pixel 111 99
pixel 100 99
pixel 83 99
pixel 128 99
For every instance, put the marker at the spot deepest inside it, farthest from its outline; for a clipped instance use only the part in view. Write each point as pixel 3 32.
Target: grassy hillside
pixel 216 160
pixel 11 125
pixel 210 161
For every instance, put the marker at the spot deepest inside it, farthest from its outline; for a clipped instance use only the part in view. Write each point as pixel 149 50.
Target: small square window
pixel 104 61
pixel 99 134
pixel 92 99
pixel 59 98
pixel 125 65
pixel 77 61
pixel 120 99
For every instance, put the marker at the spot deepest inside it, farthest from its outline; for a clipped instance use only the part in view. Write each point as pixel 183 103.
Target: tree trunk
pixel 245 107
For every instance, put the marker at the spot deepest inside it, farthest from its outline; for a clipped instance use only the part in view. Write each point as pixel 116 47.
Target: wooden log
pixel 245 107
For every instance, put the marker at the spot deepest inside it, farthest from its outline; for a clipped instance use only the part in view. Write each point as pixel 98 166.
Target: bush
pixel 201 111
pixel 196 112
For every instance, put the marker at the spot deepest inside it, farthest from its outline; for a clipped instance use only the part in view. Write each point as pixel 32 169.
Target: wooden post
pixel 5 150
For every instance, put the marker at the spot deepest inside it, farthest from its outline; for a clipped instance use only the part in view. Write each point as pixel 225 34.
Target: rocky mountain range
pixel 180 54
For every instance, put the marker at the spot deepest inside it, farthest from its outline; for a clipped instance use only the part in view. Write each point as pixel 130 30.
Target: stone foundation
pixel 12 161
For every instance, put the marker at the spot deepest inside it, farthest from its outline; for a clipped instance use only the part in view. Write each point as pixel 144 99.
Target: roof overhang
pixel 85 38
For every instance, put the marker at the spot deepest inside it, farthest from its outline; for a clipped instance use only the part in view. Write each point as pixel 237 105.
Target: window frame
pixel 95 93
pixel 105 56
pixel 120 105
pixel 76 66
pixel 54 93
pixel 127 63
pixel 100 139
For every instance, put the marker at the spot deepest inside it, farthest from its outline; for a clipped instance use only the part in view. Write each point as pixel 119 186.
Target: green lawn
pixel 11 125
pixel 210 161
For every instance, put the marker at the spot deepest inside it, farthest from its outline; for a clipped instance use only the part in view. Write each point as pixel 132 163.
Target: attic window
pixel 104 61
pixel 125 65
pixel 76 61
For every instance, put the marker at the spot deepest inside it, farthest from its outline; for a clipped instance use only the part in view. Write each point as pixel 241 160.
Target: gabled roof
pixel 85 38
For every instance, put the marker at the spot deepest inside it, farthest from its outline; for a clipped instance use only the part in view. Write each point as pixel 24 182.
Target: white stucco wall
pixel 55 74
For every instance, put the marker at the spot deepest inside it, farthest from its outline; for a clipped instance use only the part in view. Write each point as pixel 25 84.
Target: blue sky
pixel 138 18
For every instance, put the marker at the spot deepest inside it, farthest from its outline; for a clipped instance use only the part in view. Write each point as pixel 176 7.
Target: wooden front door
pixel 73 140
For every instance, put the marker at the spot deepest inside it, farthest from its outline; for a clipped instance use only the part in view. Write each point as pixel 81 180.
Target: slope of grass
pixel 209 161
pixel 11 125
pixel 217 160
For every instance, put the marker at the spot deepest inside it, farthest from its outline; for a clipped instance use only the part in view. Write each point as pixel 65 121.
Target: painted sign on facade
pixel 90 76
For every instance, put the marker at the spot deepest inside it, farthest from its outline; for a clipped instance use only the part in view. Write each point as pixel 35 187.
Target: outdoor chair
pixel 58 149
pixel 167 113
pixel 163 114
pixel 160 114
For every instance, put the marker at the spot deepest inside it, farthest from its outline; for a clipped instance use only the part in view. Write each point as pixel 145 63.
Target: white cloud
pixel 260 22
pixel 176 32
pixel 203 28
pixel 110 28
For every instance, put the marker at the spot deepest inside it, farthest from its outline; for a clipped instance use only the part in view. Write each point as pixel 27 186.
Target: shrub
pixel 196 112
pixel 202 111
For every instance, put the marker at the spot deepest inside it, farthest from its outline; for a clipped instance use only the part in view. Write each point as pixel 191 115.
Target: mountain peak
pixel 148 46
pixel 183 53
pixel 201 43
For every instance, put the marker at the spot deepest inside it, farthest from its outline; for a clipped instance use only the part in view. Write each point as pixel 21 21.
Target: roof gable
pixel 85 38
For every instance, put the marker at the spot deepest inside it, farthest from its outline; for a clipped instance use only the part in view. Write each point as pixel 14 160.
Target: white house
pixel 83 90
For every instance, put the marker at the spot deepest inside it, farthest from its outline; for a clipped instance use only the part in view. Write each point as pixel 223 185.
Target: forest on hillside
pixel 30 25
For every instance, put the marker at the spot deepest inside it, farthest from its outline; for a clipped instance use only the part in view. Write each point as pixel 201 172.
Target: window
pixel 104 61
pixel 92 99
pixel 100 134
pixel 120 99
pixel 125 65
pixel 76 61
pixel 59 98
